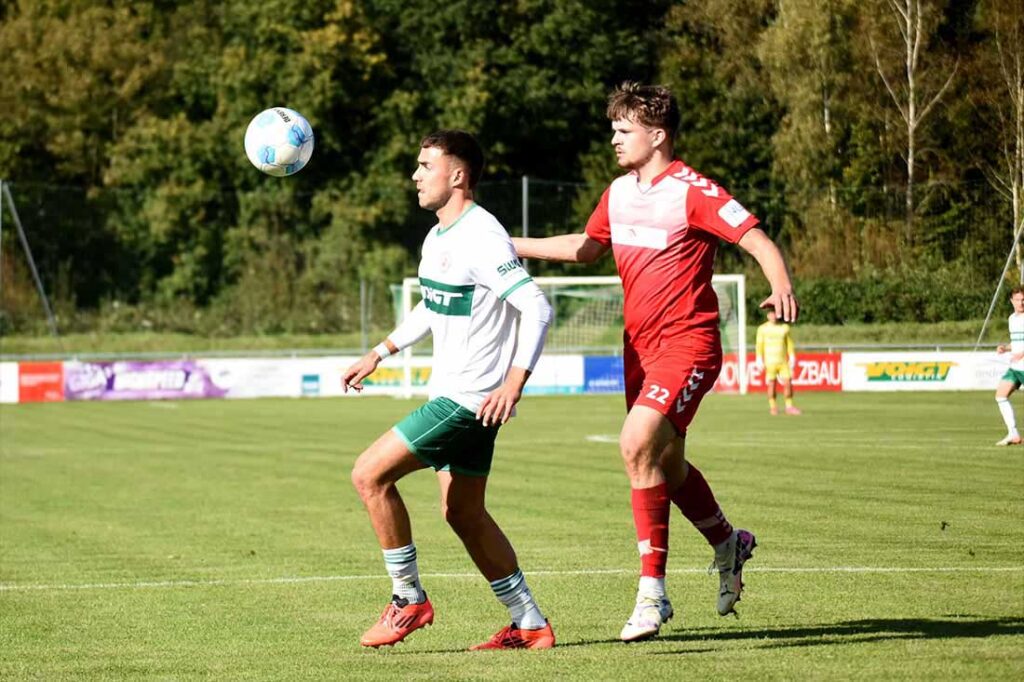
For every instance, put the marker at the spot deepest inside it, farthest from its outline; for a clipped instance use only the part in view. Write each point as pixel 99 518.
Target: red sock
pixel 651 509
pixel 695 499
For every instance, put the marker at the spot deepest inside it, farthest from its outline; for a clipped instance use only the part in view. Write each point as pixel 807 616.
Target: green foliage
pixel 123 140
pixel 928 291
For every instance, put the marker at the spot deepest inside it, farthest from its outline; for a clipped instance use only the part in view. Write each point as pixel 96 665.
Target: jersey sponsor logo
pixel 447 299
pixel 509 267
pixel 640 236
pixel 733 213
pixel 908 371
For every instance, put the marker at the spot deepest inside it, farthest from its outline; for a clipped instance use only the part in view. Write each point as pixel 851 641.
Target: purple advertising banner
pixel 156 380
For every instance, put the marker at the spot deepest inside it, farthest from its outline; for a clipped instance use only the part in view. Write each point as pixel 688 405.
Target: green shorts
pixel 1015 376
pixel 448 437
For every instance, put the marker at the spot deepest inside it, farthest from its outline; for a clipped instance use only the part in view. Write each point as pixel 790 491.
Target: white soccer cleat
pixel 729 559
pixel 648 616
pixel 1010 440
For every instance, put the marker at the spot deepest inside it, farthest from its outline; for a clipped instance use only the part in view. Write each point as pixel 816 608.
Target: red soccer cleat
pixel 513 637
pixel 399 620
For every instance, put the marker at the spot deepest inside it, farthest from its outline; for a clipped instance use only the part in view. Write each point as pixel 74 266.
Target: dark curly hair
pixel 652 106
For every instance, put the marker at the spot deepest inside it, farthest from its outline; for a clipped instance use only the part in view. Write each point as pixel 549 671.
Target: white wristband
pixel 382 350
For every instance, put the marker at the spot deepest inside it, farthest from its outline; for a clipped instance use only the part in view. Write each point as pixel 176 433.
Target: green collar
pixel 442 230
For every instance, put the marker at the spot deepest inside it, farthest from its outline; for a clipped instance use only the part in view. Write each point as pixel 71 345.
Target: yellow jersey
pixel 774 344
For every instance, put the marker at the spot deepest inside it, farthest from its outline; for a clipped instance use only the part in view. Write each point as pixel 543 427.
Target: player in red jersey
pixel 663 221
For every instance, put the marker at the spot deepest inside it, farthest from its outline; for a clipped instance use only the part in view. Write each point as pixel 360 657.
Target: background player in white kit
pixel 475 291
pixel 1014 376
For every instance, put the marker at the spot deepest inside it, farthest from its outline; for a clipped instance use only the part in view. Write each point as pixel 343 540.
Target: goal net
pixel 588 318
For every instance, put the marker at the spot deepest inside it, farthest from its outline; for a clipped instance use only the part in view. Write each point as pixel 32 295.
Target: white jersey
pixel 1017 340
pixel 466 272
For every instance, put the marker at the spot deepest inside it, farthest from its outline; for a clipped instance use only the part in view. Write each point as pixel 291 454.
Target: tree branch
pixel 881 72
pixel 928 107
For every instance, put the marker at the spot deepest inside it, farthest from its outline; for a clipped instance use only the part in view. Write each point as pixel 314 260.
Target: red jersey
pixel 664 239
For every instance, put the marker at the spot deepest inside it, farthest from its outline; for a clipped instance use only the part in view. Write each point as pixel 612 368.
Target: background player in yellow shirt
pixel 775 352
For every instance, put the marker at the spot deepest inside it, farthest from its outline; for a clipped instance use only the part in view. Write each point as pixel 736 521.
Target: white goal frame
pixel 410 284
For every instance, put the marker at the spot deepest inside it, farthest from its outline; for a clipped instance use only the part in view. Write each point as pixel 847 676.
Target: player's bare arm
pixel 566 248
pixel 497 406
pixel 757 244
pixel 365 366
pixel 414 327
pixel 359 370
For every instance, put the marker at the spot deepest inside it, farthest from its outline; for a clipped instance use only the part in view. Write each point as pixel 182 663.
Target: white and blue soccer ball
pixel 279 141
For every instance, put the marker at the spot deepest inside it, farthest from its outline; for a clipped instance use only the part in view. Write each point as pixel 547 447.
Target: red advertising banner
pixel 40 382
pixel 813 372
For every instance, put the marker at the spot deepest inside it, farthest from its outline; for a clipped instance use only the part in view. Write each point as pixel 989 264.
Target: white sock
pixel 1006 409
pixel 513 593
pixel 651 587
pixel 405 574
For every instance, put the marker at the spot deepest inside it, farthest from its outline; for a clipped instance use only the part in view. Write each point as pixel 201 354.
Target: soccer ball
pixel 279 141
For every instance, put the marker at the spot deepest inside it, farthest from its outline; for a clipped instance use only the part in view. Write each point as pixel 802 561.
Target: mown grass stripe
pixel 605 571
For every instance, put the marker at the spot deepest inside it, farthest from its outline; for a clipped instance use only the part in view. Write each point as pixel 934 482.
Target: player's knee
pixel 637 453
pixel 364 479
pixel 462 518
pixel 634 446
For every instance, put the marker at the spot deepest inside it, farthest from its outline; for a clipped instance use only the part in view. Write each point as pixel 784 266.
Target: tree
pixel 807 54
pixel 911 74
pixel 1002 66
pixel 808 57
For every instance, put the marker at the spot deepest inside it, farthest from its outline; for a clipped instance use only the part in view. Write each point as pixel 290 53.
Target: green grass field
pixel 222 540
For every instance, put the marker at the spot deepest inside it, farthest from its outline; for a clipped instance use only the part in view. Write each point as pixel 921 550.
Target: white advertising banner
pixel 557 374
pixel 310 377
pixel 923 371
pixel 8 382
pixel 277 377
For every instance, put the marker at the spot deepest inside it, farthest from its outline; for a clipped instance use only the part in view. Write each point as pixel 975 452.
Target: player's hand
pixel 497 406
pixel 784 303
pixel 1000 349
pixel 362 368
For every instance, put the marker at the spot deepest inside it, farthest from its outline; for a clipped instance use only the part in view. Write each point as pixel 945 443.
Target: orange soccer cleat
pixel 399 620
pixel 513 637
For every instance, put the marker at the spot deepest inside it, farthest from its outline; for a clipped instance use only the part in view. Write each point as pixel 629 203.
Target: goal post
pixel 588 319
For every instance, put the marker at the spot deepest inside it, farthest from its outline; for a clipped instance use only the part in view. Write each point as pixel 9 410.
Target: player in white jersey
pixel 1014 376
pixel 489 320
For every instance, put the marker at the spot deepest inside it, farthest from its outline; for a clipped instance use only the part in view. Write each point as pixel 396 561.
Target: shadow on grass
pixel 709 640
pixel 856 631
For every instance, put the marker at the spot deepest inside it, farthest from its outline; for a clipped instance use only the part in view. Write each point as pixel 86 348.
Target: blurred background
pixel 883 150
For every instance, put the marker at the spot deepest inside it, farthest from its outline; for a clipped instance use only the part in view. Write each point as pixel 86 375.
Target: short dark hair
pixel 1016 290
pixel 463 146
pixel 653 106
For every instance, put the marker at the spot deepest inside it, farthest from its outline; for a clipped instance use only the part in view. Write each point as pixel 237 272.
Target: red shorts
pixel 671 380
